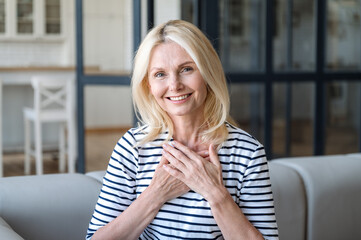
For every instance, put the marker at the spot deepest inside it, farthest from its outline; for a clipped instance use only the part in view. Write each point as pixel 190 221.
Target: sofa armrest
pixel 50 206
pixel 289 201
pixel 6 232
pixel 97 175
pixel 333 191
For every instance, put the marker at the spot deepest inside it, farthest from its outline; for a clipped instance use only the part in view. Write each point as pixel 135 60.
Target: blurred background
pixel 293 67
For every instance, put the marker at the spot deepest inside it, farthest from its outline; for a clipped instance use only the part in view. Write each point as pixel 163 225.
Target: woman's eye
pixel 187 69
pixel 159 75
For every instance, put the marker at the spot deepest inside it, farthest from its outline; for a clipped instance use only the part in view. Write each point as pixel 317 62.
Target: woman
pixel 187 172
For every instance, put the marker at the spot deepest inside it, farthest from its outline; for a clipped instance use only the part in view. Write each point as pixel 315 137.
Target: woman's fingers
pixel 173 172
pixel 167 186
pixel 175 157
pixel 182 157
pixel 204 154
pixel 213 156
pixel 162 161
pixel 200 171
pixel 185 150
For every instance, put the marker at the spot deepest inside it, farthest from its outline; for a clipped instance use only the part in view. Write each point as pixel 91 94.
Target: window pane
pixel 108 37
pixel 242 35
pixel 294 35
pixel 247 102
pixel 25 16
pixel 343 117
pixel 52 17
pixel 187 12
pixel 296 129
pixel 343 35
pixel 2 16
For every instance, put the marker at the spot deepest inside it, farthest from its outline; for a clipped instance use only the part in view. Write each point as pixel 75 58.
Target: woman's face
pixel 175 81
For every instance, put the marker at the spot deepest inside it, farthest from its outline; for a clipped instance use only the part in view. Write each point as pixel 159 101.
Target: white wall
pixel 108 106
pixel 108 34
pixel 166 10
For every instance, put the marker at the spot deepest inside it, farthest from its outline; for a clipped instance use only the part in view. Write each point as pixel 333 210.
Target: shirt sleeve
pixel 256 199
pixel 118 190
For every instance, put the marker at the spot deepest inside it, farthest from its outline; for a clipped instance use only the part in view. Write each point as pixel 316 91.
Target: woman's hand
pixel 200 173
pixel 166 186
pixel 204 176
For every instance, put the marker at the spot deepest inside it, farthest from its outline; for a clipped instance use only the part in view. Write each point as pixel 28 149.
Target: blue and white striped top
pixel 245 175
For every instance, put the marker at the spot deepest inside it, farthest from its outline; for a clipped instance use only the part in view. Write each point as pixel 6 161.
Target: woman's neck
pixel 188 132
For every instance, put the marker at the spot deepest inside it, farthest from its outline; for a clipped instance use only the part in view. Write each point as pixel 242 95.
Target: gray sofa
pixel 316 198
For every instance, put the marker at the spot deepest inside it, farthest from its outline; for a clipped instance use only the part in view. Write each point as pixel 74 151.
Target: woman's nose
pixel 175 83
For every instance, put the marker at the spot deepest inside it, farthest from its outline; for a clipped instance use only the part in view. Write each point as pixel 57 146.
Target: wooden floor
pixel 99 146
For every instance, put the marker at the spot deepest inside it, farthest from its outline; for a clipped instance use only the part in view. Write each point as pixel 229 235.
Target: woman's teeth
pixel 179 98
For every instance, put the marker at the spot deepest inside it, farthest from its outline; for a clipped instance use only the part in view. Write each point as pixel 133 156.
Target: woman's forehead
pixel 168 53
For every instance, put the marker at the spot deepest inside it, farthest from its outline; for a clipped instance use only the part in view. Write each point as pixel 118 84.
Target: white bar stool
pixel 53 102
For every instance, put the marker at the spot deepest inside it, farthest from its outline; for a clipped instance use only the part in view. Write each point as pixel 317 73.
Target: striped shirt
pixel 245 175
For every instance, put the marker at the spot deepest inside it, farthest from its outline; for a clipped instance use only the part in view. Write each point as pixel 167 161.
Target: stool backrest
pixel 52 92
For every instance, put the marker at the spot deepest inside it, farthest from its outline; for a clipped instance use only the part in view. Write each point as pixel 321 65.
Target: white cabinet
pixel 31 19
pixel 2 16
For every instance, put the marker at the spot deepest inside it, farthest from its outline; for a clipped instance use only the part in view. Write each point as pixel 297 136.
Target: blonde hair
pixel 197 45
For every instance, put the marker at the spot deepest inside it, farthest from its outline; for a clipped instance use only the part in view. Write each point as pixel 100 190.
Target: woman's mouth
pixel 179 98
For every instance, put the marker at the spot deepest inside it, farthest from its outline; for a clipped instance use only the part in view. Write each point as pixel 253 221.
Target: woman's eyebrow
pixel 187 62
pixel 180 65
pixel 155 68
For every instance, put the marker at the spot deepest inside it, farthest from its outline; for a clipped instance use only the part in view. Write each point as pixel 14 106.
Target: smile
pixel 179 98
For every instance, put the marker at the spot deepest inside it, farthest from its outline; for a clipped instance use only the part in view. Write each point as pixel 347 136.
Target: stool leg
pixel 71 146
pixel 1 144
pixel 38 149
pixel 62 148
pixel 27 146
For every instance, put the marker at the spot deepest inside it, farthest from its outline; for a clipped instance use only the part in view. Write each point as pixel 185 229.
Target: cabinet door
pixel 2 16
pixel 52 17
pixel 25 16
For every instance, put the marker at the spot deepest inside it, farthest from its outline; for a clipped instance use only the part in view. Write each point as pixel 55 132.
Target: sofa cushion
pixel 333 187
pixel 290 201
pixel 54 206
